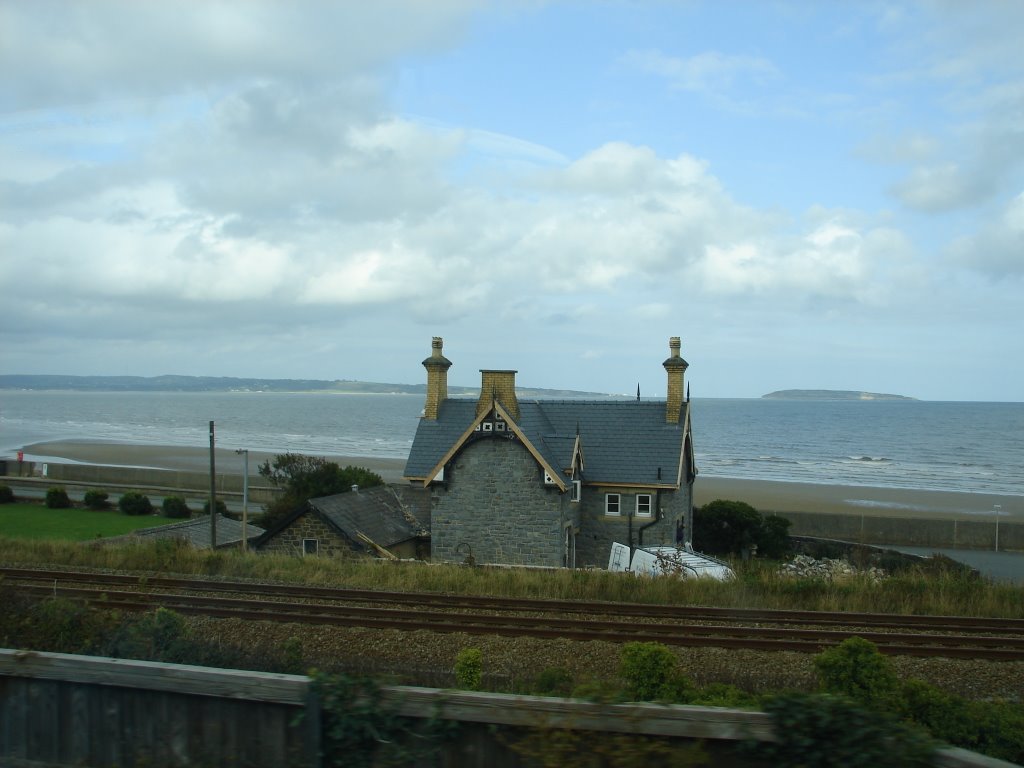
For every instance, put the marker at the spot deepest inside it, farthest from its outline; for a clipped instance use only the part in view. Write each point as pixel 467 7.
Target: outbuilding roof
pixel 386 514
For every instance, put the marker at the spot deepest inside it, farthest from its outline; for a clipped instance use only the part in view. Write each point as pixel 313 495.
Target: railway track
pixel 807 631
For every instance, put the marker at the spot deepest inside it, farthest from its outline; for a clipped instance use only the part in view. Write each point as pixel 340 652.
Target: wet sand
pixel 765 495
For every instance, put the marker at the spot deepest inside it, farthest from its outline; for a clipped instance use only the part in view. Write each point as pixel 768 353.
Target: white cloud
pixel 706 72
pixel 997 249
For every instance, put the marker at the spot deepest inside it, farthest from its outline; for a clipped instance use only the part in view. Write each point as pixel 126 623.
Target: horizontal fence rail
pixel 61 709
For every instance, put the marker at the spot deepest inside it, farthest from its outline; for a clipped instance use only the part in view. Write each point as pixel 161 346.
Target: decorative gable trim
pixel 576 465
pixel 512 427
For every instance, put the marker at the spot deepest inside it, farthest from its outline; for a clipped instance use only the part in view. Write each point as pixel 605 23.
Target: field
pixel 36 521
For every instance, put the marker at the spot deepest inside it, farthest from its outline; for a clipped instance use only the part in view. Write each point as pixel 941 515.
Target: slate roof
pixel 197 532
pixel 623 441
pixel 378 513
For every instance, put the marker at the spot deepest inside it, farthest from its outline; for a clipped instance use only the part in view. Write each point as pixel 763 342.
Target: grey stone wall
pixel 496 502
pixel 598 531
pixel 308 526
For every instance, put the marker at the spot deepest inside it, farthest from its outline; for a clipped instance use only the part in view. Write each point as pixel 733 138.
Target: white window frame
pixel 577 491
pixel 316 547
pixel 609 500
pixel 650 505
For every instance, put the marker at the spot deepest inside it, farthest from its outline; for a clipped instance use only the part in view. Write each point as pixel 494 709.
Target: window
pixel 488 426
pixel 611 503
pixel 577 490
pixel 643 505
pixel 310 546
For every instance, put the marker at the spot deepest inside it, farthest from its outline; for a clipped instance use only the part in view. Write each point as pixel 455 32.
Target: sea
pixel 945 446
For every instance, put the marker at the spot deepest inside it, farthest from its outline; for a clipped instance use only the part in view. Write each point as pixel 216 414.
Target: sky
pixel 810 195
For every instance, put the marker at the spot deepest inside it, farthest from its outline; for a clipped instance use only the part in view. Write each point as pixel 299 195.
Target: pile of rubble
pixel 805 567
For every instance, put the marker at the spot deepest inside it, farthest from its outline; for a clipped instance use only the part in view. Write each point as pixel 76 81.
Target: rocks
pixel 805 567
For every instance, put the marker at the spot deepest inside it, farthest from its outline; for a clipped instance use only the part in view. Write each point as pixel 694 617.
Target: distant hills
pixel 830 394
pixel 230 384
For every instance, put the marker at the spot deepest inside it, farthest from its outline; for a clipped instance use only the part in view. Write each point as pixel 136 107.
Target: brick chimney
pixel 437 366
pixel 676 367
pixel 500 386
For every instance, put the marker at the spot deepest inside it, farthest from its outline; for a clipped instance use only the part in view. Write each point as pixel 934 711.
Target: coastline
pixel 764 495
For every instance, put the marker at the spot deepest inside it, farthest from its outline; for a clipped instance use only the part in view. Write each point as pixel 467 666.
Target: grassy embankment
pixel 758 584
pixel 36 521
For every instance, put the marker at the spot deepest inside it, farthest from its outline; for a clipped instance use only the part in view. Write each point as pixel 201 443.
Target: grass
pixel 758 585
pixel 38 522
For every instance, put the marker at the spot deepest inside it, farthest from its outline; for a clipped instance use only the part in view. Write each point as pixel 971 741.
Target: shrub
pixel 994 728
pixel 469 669
pixel 826 730
pixel 222 508
pixel 57 498
pixel 135 503
pixel 647 669
pixel 6 494
pixel 733 527
pixel 159 635
pixel 96 499
pixel 553 681
pixel 856 669
pixel 175 506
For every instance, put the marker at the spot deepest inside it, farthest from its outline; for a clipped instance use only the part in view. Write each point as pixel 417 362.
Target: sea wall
pixel 910 532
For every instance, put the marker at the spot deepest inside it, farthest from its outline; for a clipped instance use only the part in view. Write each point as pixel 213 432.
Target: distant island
pixel 37 382
pixel 830 394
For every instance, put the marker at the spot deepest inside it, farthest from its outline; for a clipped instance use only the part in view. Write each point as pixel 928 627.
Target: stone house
pixel 388 521
pixel 552 482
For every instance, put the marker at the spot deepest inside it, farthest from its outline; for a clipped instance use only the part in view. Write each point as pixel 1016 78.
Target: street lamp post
pixel 245 498
pixel 998 509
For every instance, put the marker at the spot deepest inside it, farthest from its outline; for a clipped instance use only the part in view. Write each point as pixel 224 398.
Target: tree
pixel 730 527
pixel 309 477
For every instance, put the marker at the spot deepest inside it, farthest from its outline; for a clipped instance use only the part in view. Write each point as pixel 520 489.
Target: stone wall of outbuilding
pixel 288 541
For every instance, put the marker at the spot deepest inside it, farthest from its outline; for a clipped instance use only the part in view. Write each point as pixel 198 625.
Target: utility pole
pixel 245 498
pixel 213 494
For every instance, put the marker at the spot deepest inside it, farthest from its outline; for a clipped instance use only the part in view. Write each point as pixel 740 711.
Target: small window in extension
pixel 577 491
pixel 611 503
pixel 310 546
pixel 643 505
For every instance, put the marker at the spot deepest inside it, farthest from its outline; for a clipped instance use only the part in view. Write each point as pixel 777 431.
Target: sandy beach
pixel 765 495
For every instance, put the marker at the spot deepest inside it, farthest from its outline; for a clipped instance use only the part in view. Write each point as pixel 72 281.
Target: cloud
pixel 997 250
pixel 709 72
pixel 58 52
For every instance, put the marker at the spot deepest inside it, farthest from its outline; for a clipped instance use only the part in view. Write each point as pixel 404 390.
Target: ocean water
pixel 974 447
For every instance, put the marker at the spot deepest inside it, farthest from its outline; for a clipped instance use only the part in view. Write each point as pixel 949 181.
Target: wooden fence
pixel 64 710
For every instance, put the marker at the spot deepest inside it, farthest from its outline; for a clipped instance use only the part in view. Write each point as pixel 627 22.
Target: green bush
pixel 96 499
pixel 553 681
pixel 57 498
pixel 135 503
pixel 648 670
pixel 175 506
pixel 222 508
pixel 994 728
pixel 6 495
pixel 856 669
pixel 159 635
pixel 732 527
pixel 469 669
pixel 825 730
